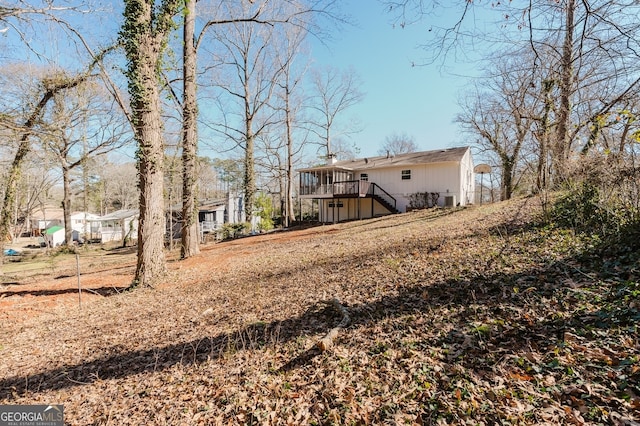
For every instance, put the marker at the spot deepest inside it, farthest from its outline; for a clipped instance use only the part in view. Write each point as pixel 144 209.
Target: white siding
pixel 468 186
pixel 443 178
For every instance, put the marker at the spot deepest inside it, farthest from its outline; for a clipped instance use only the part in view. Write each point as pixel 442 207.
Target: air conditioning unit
pixel 450 201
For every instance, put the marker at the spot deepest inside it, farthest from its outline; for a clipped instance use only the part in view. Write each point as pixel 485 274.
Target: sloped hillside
pixel 476 316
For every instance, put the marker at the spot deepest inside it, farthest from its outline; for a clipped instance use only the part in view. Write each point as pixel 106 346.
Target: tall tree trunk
pixel 145 32
pixel 289 213
pixel 151 257
pixel 542 180
pixel 562 146
pixel 249 184
pixel 189 233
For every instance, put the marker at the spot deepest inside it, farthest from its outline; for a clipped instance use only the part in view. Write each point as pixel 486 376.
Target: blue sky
pixel 420 101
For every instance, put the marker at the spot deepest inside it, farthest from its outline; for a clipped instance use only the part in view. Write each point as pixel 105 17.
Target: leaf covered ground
pixel 476 316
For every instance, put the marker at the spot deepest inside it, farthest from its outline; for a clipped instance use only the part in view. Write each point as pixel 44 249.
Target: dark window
pixel 364 176
pixel 336 204
pixel 406 174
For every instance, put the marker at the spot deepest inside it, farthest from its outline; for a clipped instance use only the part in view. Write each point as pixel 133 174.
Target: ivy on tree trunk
pixel 145 33
pixel 189 234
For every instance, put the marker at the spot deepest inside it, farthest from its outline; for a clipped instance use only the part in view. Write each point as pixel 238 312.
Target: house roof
pixel 49 213
pixel 120 214
pixel 212 206
pixel 423 157
pixel 53 229
pixel 205 205
pixel 83 215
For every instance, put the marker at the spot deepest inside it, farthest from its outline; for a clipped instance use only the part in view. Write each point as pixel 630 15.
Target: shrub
pixel 584 209
pixel 235 230
pixel 423 200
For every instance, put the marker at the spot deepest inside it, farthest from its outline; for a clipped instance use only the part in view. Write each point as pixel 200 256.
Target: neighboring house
pixel 377 186
pixel 44 218
pixel 115 226
pixel 82 223
pixel 212 214
pixel 86 224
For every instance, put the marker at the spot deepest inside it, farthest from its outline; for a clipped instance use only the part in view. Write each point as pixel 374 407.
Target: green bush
pixel 583 209
pixel 264 208
pixel 235 230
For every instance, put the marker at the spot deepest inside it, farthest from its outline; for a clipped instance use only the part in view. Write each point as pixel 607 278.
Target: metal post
pixel 78 274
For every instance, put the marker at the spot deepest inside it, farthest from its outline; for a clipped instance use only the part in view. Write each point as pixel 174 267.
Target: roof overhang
pixel 326 168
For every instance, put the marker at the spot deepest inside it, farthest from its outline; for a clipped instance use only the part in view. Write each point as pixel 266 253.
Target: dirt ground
pixel 27 292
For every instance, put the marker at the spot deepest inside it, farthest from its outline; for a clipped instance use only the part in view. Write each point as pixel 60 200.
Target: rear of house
pixel 370 187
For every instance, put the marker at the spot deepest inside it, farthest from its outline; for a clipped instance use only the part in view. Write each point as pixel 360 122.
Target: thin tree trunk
pixel 66 206
pixel 249 176
pixel 289 212
pixel 562 145
pixel 249 161
pixel 542 181
pixel 189 233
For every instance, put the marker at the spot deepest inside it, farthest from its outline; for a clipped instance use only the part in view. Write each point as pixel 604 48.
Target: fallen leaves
pixel 497 323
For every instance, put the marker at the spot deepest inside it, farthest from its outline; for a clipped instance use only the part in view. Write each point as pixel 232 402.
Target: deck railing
pixel 351 188
pixel 209 226
pixel 362 188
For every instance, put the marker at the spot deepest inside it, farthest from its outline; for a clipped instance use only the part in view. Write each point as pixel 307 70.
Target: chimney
pixel 332 158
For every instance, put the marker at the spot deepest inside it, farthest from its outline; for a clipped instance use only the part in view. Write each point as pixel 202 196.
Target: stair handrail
pixel 386 196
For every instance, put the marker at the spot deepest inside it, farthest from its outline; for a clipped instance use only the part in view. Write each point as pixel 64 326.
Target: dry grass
pixel 472 316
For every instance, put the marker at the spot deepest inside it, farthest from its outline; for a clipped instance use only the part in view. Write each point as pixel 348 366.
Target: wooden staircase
pixel 387 205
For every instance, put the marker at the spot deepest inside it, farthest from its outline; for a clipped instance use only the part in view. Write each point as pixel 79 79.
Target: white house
pixel 376 186
pixel 212 214
pixel 86 224
pixel 118 225
pixel 83 224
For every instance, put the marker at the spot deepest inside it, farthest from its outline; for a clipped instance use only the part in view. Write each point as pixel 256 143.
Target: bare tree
pixel 398 143
pixel 335 91
pixel 249 57
pixel 81 125
pixel 501 111
pixel 587 43
pixel 50 87
pixel 261 13
pixel 114 187
pixel 291 103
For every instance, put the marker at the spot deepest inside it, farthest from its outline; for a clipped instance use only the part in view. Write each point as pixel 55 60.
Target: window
pixel 364 176
pixel 336 204
pixel 406 174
